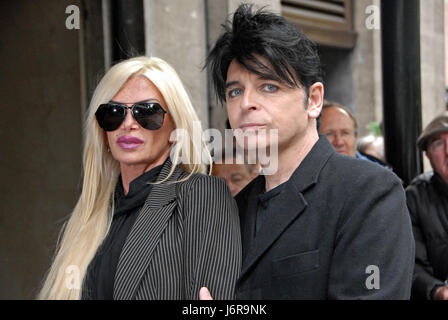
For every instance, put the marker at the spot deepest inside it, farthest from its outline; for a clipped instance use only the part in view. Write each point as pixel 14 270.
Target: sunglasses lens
pixel 110 116
pixel 149 115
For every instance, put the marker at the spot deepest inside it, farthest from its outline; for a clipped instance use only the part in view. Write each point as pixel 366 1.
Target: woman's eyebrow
pixel 146 100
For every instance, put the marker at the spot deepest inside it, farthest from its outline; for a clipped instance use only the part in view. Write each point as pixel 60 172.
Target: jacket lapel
pixel 145 234
pixel 288 205
pixel 247 219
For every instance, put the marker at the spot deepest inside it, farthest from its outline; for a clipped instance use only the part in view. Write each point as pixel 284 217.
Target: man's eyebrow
pixel 260 77
pixel 268 77
pixel 433 139
pixel 235 174
pixel 231 83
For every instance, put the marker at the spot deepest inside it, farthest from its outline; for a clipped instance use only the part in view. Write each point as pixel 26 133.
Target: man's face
pixel 339 128
pixel 255 103
pixel 437 153
pixel 237 176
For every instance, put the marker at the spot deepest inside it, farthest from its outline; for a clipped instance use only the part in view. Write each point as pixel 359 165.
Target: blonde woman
pixel 144 228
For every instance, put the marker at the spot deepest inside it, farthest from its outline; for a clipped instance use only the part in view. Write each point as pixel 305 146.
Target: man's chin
pixel 444 175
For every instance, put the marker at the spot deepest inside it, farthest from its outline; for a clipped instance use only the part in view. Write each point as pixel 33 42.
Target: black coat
pixel 335 217
pixel 427 198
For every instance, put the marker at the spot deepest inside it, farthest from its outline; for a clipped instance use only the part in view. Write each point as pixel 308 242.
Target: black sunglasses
pixel 149 115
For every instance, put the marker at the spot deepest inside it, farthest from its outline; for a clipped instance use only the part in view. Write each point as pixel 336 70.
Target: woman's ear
pixel 315 100
pixel 173 137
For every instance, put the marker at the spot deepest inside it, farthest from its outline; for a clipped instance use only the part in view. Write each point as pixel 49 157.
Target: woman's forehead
pixel 138 89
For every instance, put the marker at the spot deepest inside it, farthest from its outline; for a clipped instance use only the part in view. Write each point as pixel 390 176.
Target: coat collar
pixel 288 205
pixel 440 184
pixel 307 173
pixel 143 238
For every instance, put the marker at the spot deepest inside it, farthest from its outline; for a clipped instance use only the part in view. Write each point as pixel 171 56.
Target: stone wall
pixel 433 61
pixel 40 134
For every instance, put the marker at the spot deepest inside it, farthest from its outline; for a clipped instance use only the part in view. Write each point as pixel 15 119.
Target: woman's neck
pixel 133 171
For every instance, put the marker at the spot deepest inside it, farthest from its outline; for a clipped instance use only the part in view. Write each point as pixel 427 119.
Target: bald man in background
pixel 236 175
pixel 341 129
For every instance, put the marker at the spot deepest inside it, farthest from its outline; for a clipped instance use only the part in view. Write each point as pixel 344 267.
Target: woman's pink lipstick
pixel 129 142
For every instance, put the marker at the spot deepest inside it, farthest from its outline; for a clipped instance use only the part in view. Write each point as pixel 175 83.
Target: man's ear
pixel 315 100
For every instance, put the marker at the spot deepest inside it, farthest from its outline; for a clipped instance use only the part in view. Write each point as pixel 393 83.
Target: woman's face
pixel 131 144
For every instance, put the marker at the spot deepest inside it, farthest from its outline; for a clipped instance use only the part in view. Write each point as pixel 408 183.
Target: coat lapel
pixel 288 205
pixel 248 220
pixel 145 234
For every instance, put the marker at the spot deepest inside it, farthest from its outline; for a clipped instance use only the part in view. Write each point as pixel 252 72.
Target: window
pixel 327 22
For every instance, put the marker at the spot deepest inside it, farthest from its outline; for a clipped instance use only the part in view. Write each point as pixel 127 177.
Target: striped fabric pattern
pixel 186 236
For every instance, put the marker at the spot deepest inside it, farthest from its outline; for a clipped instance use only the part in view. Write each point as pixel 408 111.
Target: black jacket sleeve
pixel 424 280
pixel 374 243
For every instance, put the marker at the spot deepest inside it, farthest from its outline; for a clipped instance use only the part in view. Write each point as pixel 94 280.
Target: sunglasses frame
pixel 125 108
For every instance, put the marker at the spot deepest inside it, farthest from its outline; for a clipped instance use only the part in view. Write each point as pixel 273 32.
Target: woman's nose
pixel 129 122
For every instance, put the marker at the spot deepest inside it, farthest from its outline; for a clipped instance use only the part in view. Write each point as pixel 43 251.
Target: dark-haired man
pixel 323 226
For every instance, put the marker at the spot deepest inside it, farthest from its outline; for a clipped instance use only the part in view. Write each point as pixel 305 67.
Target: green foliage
pixel 374 129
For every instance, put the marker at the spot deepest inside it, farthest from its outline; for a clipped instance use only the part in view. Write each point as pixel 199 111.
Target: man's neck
pixel 289 159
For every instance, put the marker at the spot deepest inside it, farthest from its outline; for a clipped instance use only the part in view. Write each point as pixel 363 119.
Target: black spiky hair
pixel 293 57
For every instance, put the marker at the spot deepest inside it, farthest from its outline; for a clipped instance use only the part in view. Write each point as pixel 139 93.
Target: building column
pixel 175 31
pixel 432 62
pixel 367 73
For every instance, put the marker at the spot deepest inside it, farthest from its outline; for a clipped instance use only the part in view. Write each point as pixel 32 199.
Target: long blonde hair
pixel 90 220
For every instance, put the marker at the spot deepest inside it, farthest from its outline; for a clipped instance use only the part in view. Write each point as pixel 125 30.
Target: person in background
pixel 372 148
pixel 340 127
pixel 427 198
pixel 145 227
pixel 236 175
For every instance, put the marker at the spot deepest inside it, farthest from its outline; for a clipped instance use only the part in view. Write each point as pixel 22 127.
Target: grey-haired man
pixel 427 198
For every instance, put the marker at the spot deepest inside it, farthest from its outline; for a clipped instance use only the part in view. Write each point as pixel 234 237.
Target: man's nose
pixel 446 144
pixel 338 139
pixel 248 101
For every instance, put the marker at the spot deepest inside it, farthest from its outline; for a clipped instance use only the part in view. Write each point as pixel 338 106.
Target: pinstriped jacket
pixel 186 236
